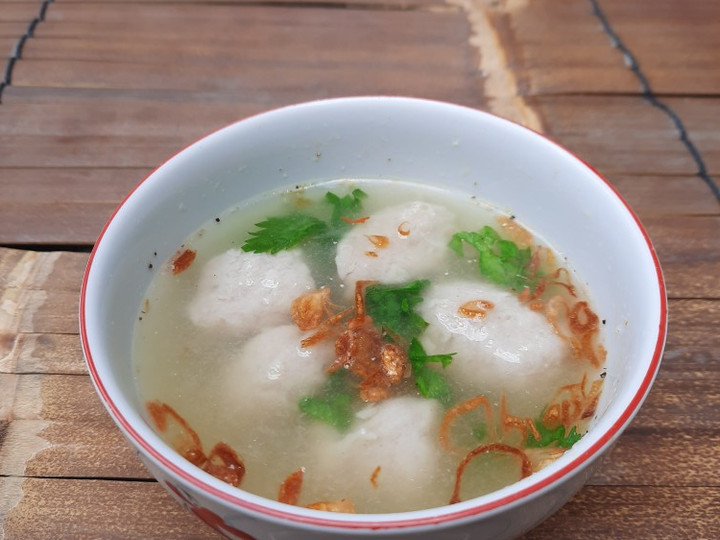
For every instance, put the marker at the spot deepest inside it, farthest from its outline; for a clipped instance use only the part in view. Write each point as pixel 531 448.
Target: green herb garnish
pixel 552 437
pixel 430 383
pixel 332 404
pixel 345 207
pixel 333 410
pixel 280 233
pixel 480 431
pixel 392 307
pixel 285 232
pixel 499 260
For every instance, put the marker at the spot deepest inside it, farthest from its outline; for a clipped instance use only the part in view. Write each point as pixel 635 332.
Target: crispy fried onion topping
pixel 579 326
pixel 361 349
pixel 526 465
pixel 461 408
pixel 182 260
pixel 524 424
pixel 222 462
pixel 309 310
pixel 289 493
pixel 572 403
pixel 475 309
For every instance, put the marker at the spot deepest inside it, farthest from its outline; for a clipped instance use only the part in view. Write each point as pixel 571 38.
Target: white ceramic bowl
pixel 555 194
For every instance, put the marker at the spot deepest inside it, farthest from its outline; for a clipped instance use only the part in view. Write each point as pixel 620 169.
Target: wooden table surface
pixel 95 93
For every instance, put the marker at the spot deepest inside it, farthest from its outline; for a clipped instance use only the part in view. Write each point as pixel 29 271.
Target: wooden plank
pixel 665 195
pixel 251 45
pixel 652 457
pixel 287 83
pixel 159 21
pixel 42 353
pixel 12 30
pixel 369 4
pixel 187 119
pixel 61 508
pixel 676 43
pixel 19 11
pixel 68 449
pixel 94 151
pixel 399 48
pixel 38 311
pixel 700 116
pixel 688 352
pixel 551 58
pixel 53 223
pixel 689 252
pixel 626 512
pixel 617 135
pixel 49 185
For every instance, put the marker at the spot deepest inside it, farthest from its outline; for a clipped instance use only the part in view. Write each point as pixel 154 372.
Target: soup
pixel 368 346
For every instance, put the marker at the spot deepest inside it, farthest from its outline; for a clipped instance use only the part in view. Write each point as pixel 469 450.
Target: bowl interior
pixel 519 171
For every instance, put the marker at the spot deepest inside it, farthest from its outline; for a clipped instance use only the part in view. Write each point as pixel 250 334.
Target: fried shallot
pixel 222 462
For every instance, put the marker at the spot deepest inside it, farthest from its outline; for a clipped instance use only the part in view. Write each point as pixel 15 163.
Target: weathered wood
pixel 700 117
pixel 399 48
pixel 186 119
pixel 38 311
pixel 88 150
pixel 617 135
pixel 665 195
pixel 689 252
pixel 648 512
pixel 18 11
pixel 676 43
pixel 12 30
pixel 104 93
pixel 691 350
pixel 653 457
pixel 558 48
pixel 62 508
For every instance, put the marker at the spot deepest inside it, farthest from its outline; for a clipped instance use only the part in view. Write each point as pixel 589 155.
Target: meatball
pixel 501 345
pixel 249 291
pixel 396 244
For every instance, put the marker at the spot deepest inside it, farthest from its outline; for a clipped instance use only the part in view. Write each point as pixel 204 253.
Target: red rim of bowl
pixel 576 463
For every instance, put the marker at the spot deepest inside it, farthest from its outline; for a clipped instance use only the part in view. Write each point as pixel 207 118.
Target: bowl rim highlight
pixel 415 519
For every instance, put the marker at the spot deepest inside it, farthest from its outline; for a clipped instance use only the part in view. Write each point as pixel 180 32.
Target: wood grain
pixel 617 135
pixel 700 116
pixel 105 92
pixel 687 513
pixel 65 508
pixel 559 48
pixel 676 43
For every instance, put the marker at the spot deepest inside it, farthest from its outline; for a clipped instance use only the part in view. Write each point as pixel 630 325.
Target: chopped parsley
pixel 392 308
pixel 348 206
pixel 285 232
pixel 499 260
pixel 480 431
pixel 333 404
pixel 552 437
pixel 430 383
